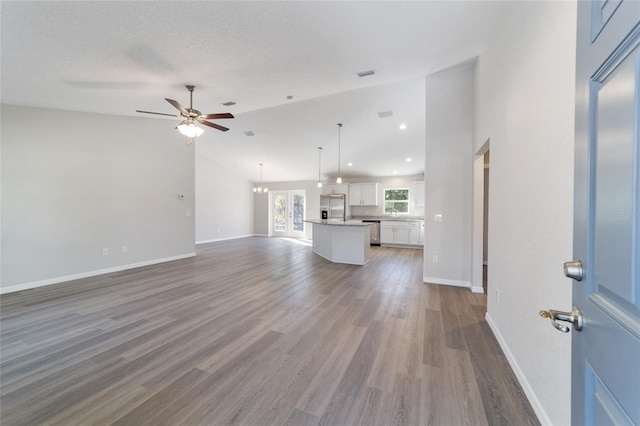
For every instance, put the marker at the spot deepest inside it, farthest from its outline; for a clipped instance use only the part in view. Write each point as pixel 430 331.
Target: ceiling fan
pixel 188 126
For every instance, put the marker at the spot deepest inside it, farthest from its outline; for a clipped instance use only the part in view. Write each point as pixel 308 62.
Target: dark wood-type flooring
pixel 255 331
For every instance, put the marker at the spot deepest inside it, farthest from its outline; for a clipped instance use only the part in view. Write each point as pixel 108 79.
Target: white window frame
pixel 384 201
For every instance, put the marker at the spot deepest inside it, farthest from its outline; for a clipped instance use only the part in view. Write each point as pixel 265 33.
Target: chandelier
pixel 260 189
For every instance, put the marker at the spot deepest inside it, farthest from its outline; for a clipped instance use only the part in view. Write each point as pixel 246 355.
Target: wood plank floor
pixel 255 331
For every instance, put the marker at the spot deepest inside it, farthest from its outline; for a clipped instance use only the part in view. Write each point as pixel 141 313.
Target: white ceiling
pixel 115 57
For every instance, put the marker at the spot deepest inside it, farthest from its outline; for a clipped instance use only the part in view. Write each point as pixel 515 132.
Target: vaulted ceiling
pixel 290 68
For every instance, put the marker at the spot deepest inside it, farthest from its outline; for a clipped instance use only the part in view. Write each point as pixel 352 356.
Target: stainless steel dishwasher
pixel 375 231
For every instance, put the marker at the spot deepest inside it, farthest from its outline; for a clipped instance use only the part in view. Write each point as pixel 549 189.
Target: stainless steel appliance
pixel 375 231
pixel 334 205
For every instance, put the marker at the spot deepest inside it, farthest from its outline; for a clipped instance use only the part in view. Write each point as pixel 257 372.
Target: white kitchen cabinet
pixel 336 188
pixel 414 233
pixel 394 232
pixel 386 234
pixel 402 233
pixel 363 194
pixel 418 193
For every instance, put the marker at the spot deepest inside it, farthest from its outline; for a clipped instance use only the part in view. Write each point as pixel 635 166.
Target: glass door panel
pixel 297 199
pixel 288 213
pixel 280 214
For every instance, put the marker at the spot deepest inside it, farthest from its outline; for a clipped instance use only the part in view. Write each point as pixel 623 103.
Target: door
pixel 606 352
pixel 288 213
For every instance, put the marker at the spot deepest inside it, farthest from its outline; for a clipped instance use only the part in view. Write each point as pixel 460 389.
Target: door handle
pixel 574 317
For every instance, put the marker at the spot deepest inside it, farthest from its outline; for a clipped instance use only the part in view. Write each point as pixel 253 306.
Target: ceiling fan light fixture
pixel 189 129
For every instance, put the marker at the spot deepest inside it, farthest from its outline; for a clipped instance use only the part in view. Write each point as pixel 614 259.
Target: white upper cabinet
pixel 363 194
pixel 418 193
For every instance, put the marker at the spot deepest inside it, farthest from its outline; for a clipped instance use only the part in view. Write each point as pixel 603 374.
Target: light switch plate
pixel 437 218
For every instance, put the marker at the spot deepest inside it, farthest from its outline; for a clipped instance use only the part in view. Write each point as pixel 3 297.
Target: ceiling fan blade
pixel 217 116
pixel 177 106
pixel 157 113
pixel 214 125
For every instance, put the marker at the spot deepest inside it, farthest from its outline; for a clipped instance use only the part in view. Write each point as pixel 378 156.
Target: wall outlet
pixel 188 213
pixel 105 251
pixel 437 218
pixel 124 249
pixel 435 258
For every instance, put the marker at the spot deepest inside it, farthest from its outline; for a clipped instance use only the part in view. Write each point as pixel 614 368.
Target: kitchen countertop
pixel 396 218
pixel 334 222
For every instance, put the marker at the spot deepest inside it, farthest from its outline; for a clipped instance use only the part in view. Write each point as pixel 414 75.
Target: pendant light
pixel 319 165
pixel 260 189
pixel 339 180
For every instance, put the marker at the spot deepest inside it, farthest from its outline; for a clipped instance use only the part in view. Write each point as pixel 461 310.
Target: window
pixel 396 200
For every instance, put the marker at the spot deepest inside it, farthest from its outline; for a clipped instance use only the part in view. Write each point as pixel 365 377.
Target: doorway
pixel 485 223
pixel 288 210
pixel 480 233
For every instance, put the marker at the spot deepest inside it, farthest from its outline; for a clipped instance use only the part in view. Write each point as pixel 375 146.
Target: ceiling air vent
pixel 385 114
pixel 366 73
pixel 249 133
pixel 228 104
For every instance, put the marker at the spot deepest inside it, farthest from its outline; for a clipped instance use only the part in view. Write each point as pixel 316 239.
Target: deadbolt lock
pixel 573 269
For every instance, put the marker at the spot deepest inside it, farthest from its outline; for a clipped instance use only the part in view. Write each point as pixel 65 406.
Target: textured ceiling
pixel 116 57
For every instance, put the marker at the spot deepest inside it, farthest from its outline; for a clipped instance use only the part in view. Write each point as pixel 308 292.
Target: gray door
pixel 606 352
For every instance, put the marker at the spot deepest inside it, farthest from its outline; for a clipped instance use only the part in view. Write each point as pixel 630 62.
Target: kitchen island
pixel 342 241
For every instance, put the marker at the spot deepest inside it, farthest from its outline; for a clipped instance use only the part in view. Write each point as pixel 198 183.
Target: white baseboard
pixel 58 280
pixel 543 418
pixel 477 289
pixel 224 239
pixel 442 281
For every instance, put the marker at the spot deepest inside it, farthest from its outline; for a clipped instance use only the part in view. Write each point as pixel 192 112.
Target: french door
pixel 288 213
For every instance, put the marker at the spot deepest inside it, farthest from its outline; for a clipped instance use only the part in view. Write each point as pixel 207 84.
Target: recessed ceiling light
pixel 290 97
pixel 230 103
pixel 385 114
pixel 366 73
pixel 408 160
pixel 249 133
pixel 349 164
pixel 403 126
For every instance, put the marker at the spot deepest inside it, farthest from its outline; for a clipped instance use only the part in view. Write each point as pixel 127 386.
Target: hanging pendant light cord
pixel 339 174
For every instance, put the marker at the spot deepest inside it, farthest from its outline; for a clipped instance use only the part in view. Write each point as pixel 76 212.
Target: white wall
pixel 448 177
pixel 524 103
pixel 75 183
pixel 224 202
